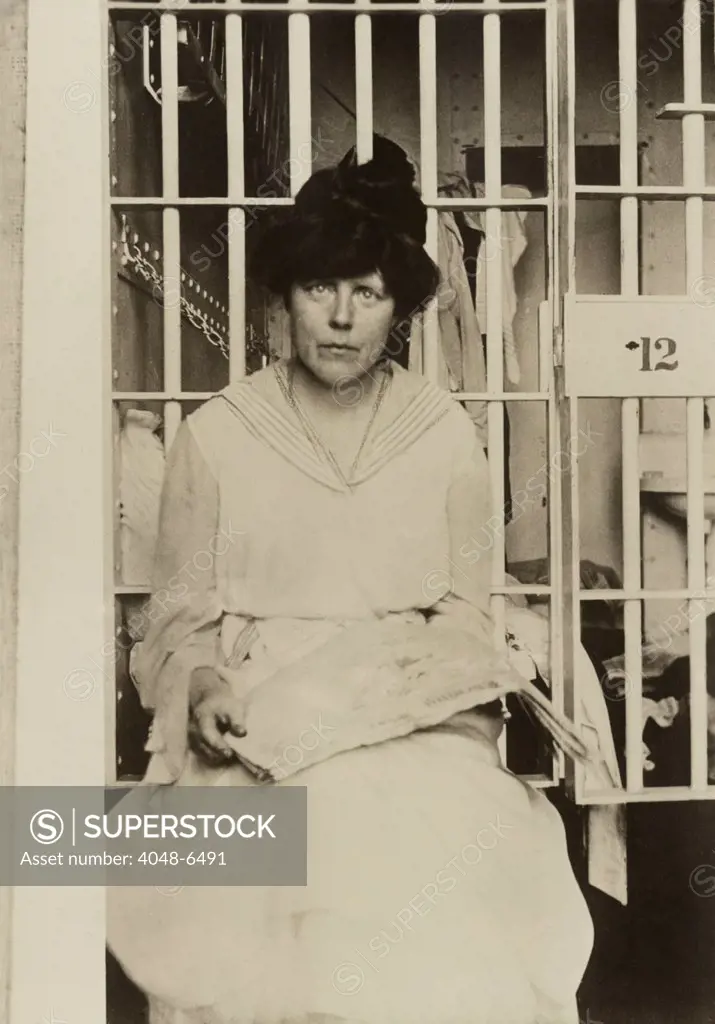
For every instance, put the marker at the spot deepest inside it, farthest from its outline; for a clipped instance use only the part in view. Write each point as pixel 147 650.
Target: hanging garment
pixel 461 365
pixel 513 245
pixel 141 461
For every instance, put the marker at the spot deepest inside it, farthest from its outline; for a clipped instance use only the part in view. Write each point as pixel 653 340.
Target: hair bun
pixel 381 189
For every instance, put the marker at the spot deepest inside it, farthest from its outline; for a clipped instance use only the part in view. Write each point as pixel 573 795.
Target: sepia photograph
pixel 357 512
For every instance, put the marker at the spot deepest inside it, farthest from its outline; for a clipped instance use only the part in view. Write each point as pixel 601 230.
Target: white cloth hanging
pixel 141 460
pixel 513 245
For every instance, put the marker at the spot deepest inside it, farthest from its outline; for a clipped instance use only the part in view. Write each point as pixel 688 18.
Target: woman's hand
pixel 213 712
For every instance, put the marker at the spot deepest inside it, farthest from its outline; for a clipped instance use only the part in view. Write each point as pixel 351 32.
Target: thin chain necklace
pixel 286 379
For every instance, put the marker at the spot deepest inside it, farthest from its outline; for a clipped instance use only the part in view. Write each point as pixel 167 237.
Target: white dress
pixel 440 890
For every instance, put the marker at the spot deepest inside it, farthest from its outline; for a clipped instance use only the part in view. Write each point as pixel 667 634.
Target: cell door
pixel 639 363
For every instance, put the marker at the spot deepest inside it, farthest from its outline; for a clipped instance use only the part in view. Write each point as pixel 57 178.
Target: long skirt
pixel 439 892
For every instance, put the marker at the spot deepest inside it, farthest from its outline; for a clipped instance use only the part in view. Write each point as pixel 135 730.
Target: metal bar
pixel 161 396
pixel 498 607
pixel 428 180
pixel 301 141
pixel 237 294
pixel 169 107
pixel 652 795
pixel 172 422
pixel 566 627
pixel 492 108
pixel 430 316
pixel 644 191
pixel 630 407
pixel 363 87
pixel 234 105
pixel 172 320
pixel 308 7
pixel 500 396
pixel 694 177
pixel 640 594
pixel 238 199
pixel 696 581
pixel 493 267
pixel 428 108
pixel 630 428
pixel 156 203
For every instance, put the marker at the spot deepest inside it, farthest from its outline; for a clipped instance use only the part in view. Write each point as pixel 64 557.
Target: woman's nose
pixel 342 311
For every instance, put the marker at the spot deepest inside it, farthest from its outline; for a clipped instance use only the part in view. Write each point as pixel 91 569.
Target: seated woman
pixel 333 488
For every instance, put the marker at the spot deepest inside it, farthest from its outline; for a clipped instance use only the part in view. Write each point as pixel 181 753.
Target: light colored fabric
pixel 141 461
pixel 445 894
pixel 607 866
pixel 461 352
pixel 513 242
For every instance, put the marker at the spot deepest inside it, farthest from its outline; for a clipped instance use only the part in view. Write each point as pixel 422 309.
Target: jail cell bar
pixel 299 13
pixel 630 192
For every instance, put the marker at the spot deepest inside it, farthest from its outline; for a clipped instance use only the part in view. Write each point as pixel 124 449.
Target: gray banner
pixel 153 835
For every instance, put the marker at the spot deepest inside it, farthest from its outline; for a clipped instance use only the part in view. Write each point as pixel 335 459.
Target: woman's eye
pixel 318 288
pixel 367 293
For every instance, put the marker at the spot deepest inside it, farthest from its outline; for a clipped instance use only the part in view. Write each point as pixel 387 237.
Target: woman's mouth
pixel 347 352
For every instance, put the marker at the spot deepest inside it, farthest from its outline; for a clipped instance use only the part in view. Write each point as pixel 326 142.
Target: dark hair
pixel 351 220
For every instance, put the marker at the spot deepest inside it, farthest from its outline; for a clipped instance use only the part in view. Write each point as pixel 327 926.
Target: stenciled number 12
pixel 663 363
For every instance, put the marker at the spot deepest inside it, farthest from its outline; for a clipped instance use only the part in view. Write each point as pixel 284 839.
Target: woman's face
pixel 340 326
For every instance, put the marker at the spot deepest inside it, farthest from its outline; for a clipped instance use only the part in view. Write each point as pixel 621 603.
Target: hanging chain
pixel 142 266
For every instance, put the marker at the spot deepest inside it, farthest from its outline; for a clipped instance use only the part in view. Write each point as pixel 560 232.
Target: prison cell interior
pixel 594 129
pixel 211 128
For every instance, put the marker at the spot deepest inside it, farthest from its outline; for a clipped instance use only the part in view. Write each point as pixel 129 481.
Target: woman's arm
pixel 182 643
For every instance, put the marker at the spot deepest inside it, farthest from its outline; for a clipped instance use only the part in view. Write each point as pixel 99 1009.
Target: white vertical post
pixel 428 178
pixel 171 222
pixel 65 667
pixel 172 322
pixel 234 107
pixel 493 259
pixel 630 409
pixel 170 106
pixel 237 293
pixel 495 346
pixel 363 86
pixel 694 178
pixel 492 106
pixel 236 192
pixel 301 142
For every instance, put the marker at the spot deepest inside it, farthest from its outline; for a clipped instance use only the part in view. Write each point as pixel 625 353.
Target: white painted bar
pixel 450 203
pixel 652 795
pixel 428 107
pixel 363 87
pixel 219 8
pixel 498 607
pixel 630 407
pixel 697 609
pixel 172 421
pixel 64 672
pixel 301 140
pixel 694 177
pixel 172 321
pixel 169 106
pixel 430 316
pixel 157 203
pixel 572 702
pixel 234 105
pixel 630 428
pixel 495 382
pixel 237 293
pixel 645 191
pixel 492 108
